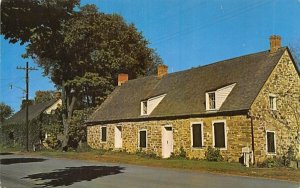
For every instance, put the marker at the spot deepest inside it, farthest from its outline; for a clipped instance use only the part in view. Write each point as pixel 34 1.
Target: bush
pixel 272 162
pixel 289 156
pixel 213 154
pixel 181 155
pixel 281 161
pixel 148 154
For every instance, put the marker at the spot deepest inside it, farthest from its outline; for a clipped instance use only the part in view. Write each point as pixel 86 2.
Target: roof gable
pixel 33 112
pixel 185 90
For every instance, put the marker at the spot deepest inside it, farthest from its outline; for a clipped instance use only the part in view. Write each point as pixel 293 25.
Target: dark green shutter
pixel 142 139
pixel 219 133
pixel 197 135
pixel 271 142
pixel 103 134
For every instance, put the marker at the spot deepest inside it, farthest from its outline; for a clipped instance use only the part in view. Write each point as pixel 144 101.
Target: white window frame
pixel 202 134
pixel 213 133
pixel 267 142
pixel 273 102
pixel 102 126
pixel 208 101
pixel 142 107
pixel 139 139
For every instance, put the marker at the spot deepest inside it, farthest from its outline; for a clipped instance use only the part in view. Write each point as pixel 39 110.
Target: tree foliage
pixel 78 128
pixel 21 19
pixel 88 52
pixel 295 49
pixel 5 111
pixel 23 104
pixel 43 96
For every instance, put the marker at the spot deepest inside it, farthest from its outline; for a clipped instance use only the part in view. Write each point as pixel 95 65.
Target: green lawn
pixel 178 164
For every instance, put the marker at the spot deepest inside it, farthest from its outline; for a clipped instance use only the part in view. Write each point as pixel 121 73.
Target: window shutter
pixel 197 135
pixel 270 142
pixel 142 139
pixel 219 133
pixel 103 134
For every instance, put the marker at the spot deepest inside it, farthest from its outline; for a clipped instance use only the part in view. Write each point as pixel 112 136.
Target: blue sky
pixel 185 34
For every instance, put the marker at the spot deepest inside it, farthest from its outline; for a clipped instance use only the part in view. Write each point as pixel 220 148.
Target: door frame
pixel 162 141
pixel 120 138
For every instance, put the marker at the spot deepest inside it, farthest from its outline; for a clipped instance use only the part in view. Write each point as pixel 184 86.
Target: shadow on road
pixel 10 161
pixel 6 153
pixel 71 175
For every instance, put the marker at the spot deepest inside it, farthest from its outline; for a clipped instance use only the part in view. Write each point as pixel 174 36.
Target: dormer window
pixel 215 99
pixel 147 106
pixel 212 101
pixel 272 102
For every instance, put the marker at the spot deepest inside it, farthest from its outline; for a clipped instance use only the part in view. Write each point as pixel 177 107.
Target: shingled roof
pixel 185 90
pixel 33 112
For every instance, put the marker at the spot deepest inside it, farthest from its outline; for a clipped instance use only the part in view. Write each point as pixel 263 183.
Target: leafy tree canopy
pixel 89 50
pixel 20 19
pixel 5 112
pixel 23 104
pixel 295 49
pixel 43 96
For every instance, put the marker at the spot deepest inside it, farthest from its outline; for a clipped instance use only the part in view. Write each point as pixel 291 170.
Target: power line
pixel 218 19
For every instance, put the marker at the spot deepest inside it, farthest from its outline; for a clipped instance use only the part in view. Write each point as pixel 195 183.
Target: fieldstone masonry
pixel 284 82
pixel 238 136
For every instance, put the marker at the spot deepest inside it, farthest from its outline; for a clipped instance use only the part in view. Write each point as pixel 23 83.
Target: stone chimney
pixel 122 78
pixel 275 43
pixel 57 95
pixel 162 70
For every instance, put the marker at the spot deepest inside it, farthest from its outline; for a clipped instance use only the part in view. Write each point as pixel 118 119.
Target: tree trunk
pixel 68 108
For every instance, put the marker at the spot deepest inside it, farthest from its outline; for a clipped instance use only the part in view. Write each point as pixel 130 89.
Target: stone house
pixel 249 101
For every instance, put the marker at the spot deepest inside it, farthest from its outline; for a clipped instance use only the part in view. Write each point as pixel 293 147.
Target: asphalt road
pixel 27 171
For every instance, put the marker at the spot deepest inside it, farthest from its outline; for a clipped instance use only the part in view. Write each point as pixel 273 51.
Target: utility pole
pixel 26 102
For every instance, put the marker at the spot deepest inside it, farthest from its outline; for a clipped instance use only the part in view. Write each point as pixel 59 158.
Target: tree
pixel 22 19
pixel 5 112
pixel 96 47
pixel 85 53
pixel 23 104
pixel 43 96
pixel 295 49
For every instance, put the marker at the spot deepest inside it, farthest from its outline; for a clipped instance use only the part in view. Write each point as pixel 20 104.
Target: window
pixel 148 105
pixel 144 107
pixel 211 101
pixel 219 131
pixel 142 139
pixel 272 101
pixel 197 135
pixel 270 142
pixel 103 134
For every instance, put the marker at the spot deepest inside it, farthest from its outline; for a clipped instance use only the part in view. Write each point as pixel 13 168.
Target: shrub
pixel 148 154
pixel 272 162
pixel 83 147
pixel 284 160
pixel 289 156
pixel 213 154
pixel 180 155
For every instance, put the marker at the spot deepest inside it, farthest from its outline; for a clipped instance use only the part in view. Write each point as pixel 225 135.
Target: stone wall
pixel 238 136
pixel 284 83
